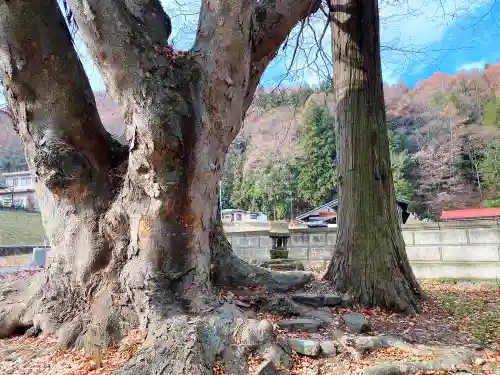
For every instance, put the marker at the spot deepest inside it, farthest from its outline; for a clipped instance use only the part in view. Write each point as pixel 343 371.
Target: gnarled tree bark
pixel 369 261
pixel 137 232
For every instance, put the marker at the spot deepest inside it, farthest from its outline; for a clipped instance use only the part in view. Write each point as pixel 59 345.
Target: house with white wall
pixel 18 190
pixel 237 215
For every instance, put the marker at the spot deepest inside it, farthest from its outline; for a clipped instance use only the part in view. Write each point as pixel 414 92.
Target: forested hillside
pixel 445 147
pixel 445 143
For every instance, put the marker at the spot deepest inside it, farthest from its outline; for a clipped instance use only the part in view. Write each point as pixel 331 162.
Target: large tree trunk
pixel 137 232
pixel 369 261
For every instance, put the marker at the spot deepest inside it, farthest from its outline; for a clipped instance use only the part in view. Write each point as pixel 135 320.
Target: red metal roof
pixel 328 214
pixel 471 213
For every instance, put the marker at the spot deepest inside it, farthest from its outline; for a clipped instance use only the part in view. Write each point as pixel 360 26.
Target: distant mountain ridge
pixel 440 120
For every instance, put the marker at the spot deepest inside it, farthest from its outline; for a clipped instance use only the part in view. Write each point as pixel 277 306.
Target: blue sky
pixel 464 42
pixel 419 37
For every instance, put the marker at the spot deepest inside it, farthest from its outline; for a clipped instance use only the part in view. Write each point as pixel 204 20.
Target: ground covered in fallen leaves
pixel 455 315
pixel 40 356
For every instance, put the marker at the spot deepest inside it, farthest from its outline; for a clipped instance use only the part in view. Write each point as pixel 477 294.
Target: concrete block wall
pixel 18 249
pixel 250 244
pixel 454 250
pixel 467 251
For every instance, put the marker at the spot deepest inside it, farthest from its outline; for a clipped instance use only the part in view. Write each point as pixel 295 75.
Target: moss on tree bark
pixel 136 231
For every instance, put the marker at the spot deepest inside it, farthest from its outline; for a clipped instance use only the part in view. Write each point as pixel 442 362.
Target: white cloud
pixel 479 65
pixel 409 29
pixel 421 22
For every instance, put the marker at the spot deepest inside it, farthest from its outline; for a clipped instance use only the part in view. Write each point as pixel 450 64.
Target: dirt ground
pixel 454 317
pixel 20 260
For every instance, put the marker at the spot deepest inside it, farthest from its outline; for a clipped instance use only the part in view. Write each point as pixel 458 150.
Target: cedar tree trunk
pixel 369 261
pixel 136 229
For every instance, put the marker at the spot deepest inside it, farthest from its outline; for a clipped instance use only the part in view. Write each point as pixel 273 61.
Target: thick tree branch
pixel 50 96
pixel 222 49
pixel 128 39
pixel 273 20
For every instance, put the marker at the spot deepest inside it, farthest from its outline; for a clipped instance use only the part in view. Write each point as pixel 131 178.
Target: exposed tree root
pixel 178 341
pixel 228 269
pixel 186 332
pixel 395 289
pixel 284 306
pixel 186 345
pixel 14 297
pixel 180 344
pixel 360 345
pixel 446 359
pixel 450 362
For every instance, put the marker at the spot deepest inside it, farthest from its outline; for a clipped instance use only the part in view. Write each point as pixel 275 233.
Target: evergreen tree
pixel 317 176
pixel 490 166
pixel 268 189
pixel 401 162
pixel 491 112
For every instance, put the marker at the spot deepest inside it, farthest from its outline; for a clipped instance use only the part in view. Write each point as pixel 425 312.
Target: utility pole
pixel 220 194
pixel 12 196
pixel 291 207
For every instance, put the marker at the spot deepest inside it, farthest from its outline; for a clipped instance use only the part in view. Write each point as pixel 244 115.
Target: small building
pixel 237 215
pixel 327 213
pixel 18 190
pixel 471 214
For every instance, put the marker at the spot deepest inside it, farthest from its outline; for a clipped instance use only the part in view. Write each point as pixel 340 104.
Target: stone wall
pixel 18 249
pixel 436 250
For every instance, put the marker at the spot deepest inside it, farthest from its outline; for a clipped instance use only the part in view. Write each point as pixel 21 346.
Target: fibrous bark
pixel 369 261
pixel 136 232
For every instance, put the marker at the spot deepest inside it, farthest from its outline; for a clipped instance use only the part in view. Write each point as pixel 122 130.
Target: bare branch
pixel 272 23
pixel 126 38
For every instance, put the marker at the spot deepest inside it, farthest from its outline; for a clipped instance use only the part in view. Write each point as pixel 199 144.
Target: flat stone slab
pixel 310 348
pixel 493 368
pixel 304 325
pixel 283 264
pixel 356 322
pixel 278 254
pixel 266 368
pixel 328 348
pixel 291 280
pixel 317 300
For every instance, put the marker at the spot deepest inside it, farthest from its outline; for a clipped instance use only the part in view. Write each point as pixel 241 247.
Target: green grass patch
pixel 476 309
pixel 21 228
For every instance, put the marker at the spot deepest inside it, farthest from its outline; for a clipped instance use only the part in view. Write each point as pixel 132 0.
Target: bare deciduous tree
pixel 136 230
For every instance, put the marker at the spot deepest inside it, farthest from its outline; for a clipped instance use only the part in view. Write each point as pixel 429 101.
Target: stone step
pixel 278 254
pixel 304 325
pixel 278 261
pixel 310 348
pixel 266 368
pixel 356 322
pixel 287 267
pixel 283 265
pixel 317 300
